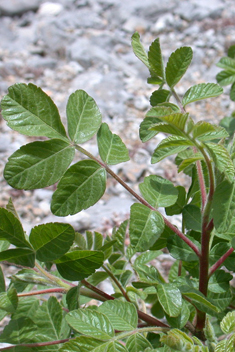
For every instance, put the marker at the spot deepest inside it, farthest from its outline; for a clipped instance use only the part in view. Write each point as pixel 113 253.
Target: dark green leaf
pixel 231 51
pixel 38 164
pixel 223 205
pixel 91 344
pixel 122 315
pixel 177 65
pixel 218 251
pixel 145 133
pixel 82 186
pixel 219 281
pixel 20 256
pixel 158 192
pixel 28 110
pixel 18 331
pixel 155 58
pixel 146 257
pixel 170 299
pixel 225 78
pixel 11 229
pixel 9 300
pixel 137 343
pixel 27 308
pixel 119 235
pixel 169 146
pixel 2 281
pixel 146 226
pixel 161 242
pixel 159 96
pixel 180 321
pixel 10 207
pixel 201 91
pixel 111 148
pixel 84 117
pixel 91 323
pixel 192 217
pixel 97 277
pixel 77 265
pixel 180 250
pixel 139 49
pixel 198 299
pixel 232 92
pixel 51 240
pixel 178 206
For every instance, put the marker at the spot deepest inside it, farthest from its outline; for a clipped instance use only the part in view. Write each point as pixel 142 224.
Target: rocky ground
pixel 64 45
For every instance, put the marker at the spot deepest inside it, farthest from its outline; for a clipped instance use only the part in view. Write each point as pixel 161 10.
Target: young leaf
pixel 11 229
pixel 173 124
pixel 178 340
pixel 51 240
pixel 180 250
pixel 30 111
pixel 159 96
pixel 139 49
pixel 204 131
pixel 38 164
pixel 137 342
pixel 169 146
pixel 170 299
pixel 146 226
pixel 192 217
pixel 223 205
pixel 155 58
pixel 201 91
pixel 111 148
pixel 146 257
pixel 221 159
pixel 225 78
pixel 227 63
pixel 91 323
pixel 158 192
pixel 20 256
pixel 84 117
pixel 177 65
pixel 122 315
pixel 82 186
pixel 228 323
pixel 77 265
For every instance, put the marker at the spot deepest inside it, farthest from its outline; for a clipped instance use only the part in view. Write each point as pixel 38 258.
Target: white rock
pixel 50 9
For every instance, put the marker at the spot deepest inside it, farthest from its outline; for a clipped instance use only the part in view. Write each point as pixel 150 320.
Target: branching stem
pixel 220 261
pixel 116 282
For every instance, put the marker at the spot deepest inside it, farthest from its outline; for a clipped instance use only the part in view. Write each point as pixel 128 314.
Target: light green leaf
pixel 201 91
pixel 221 300
pixel 9 300
pixel 220 347
pixel 180 250
pixel 51 240
pixel 122 315
pixel 139 49
pixel 18 331
pixel 145 133
pixel 223 205
pixel 187 162
pixel 11 229
pixel 137 343
pixel 221 159
pixel 119 236
pixel 169 146
pixel 82 186
pixel 111 148
pixel 228 323
pixel 225 78
pixel 27 307
pixel 146 226
pixel 227 63
pixel 77 265
pixel 170 299
pixel 178 340
pixel 20 256
pixel 198 299
pixel 30 111
pixel 84 117
pixel 38 164
pixel 10 207
pixel 158 192
pixel 178 206
pixel 192 217
pixel 146 257
pixel 155 58
pixel 219 281
pixel 204 131
pixel 173 124
pixel 218 251
pixel 178 64
pixel 180 321
pixel 91 323
pixel 159 96
pixel 90 344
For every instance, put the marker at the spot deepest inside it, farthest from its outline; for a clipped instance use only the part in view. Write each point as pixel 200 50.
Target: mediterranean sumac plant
pixel 190 311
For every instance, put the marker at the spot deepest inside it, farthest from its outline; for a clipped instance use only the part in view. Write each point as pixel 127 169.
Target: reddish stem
pixel 220 261
pixel 41 292
pixel 37 344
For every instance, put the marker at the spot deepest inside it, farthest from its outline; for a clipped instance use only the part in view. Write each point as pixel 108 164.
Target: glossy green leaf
pixel 38 164
pixel 51 240
pixel 198 299
pixel 169 146
pixel 158 192
pixel 178 64
pixel 225 78
pixel 146 257
pixel 228 323
pixel 145 133
pixel 227 63
pixel 201 91
pixel 111 148
pixel 155 58
pixel 9 300
pixel 204 133
pixel 192 217
pixel 91 344
pixel 137 343
pixel 77 265
pixel 178 340
pixel 122 315
pixel 20 256
pixel 159 96
pixel 180 250
pixel 180 321
pixel 170 299
pixel 82 186
pixel 11 229
pixel 139 49
pixel 221 159
pixel 28 110
pixel 223 205
pixel 178 206
pixel 4 245
pixel 146 226
pixel 173 124
pixel 219 281
pixel 91 323
pixel 84 117
pixel 161 242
